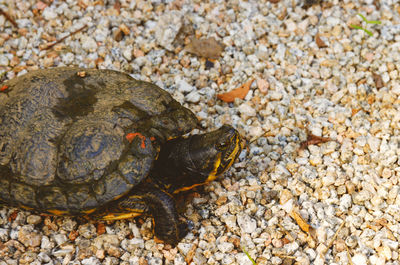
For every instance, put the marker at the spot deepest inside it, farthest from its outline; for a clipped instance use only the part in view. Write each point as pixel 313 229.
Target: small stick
pixel 63 38
pixel 349 256
pixel 8 17
pixel 286 232
pixel 330 242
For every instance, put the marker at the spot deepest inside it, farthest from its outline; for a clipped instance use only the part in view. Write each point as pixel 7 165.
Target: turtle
pixel 103 145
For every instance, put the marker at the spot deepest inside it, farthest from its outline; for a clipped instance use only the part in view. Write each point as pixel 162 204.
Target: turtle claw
pixel 183 230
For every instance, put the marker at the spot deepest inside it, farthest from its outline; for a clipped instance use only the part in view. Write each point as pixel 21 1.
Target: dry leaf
pixel 355 111
pixel 320 42
pixel 13 216
pixel 101 228
pixel 313 139
pixel 209 48
pixel 378 81
pixel 300 221
pixel 3 88
pixel 73 235
pixel 239 92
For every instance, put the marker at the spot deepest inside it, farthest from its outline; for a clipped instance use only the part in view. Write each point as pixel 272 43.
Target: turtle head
pixel 214 152
pixel 184 163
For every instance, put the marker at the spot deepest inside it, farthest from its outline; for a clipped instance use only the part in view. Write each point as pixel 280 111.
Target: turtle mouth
pixel 225 159
pixel 231 155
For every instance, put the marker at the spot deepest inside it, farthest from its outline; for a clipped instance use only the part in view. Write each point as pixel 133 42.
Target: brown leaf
pixel 320 42
pixel 101 228
pixel 313 139
pixel 209 48
pixel 3 88
pixel 239 92
pixel 73 235
pixel 13 216
pixel 300 221
pixel 355 111
pixel 378 81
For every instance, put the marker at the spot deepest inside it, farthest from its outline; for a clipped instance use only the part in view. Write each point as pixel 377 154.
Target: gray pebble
pixel 193 97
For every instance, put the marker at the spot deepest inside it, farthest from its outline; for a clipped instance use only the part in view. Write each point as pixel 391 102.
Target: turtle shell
pixel 73 139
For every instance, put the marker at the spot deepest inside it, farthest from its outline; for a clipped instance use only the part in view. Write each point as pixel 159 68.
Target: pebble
pixel 87 230
pixel 359 259
pixel 4 61
pixel 49 13
pixel 167 28
pixel 247 110
pixel 263 85
pixel 90 261
pixel 184 87
pixel 60 239
pixel 29 239
pixel 184 248
pixel 246 223
pixel 89 44
pixel 193 97
pixel 225 247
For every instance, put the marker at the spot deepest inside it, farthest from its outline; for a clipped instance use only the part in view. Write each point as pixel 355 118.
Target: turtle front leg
pixel 148 200
pixel 167 225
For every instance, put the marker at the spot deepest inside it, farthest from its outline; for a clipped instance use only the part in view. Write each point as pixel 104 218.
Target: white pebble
pixel 247 110
pixel 88 44
pixel 184 87
pixel 359 259
pixel 49 13
pixel 193 97
pixel 241 258
pixel 4 60
pixel 225 247
pixel 246 223
pixel 184 248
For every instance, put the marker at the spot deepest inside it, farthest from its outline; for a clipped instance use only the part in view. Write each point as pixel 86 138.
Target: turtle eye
pixel 222 145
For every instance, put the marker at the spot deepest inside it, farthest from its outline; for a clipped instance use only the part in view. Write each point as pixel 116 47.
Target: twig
pixel 63 38
pixel 286 256
pixel 314 140
pixel 8 17
pixel 286 232
pixel 330 242
pixel 348 255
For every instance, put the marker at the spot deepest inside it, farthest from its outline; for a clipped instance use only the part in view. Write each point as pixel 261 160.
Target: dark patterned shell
pixel 63 137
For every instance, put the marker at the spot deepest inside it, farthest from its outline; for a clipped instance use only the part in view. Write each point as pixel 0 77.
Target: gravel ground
pixel 314 75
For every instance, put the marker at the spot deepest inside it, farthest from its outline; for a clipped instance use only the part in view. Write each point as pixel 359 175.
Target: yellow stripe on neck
pixel 213 175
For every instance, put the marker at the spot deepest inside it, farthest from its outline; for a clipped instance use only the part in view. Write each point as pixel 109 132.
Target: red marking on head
pixel 4 88
pixel 131 136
